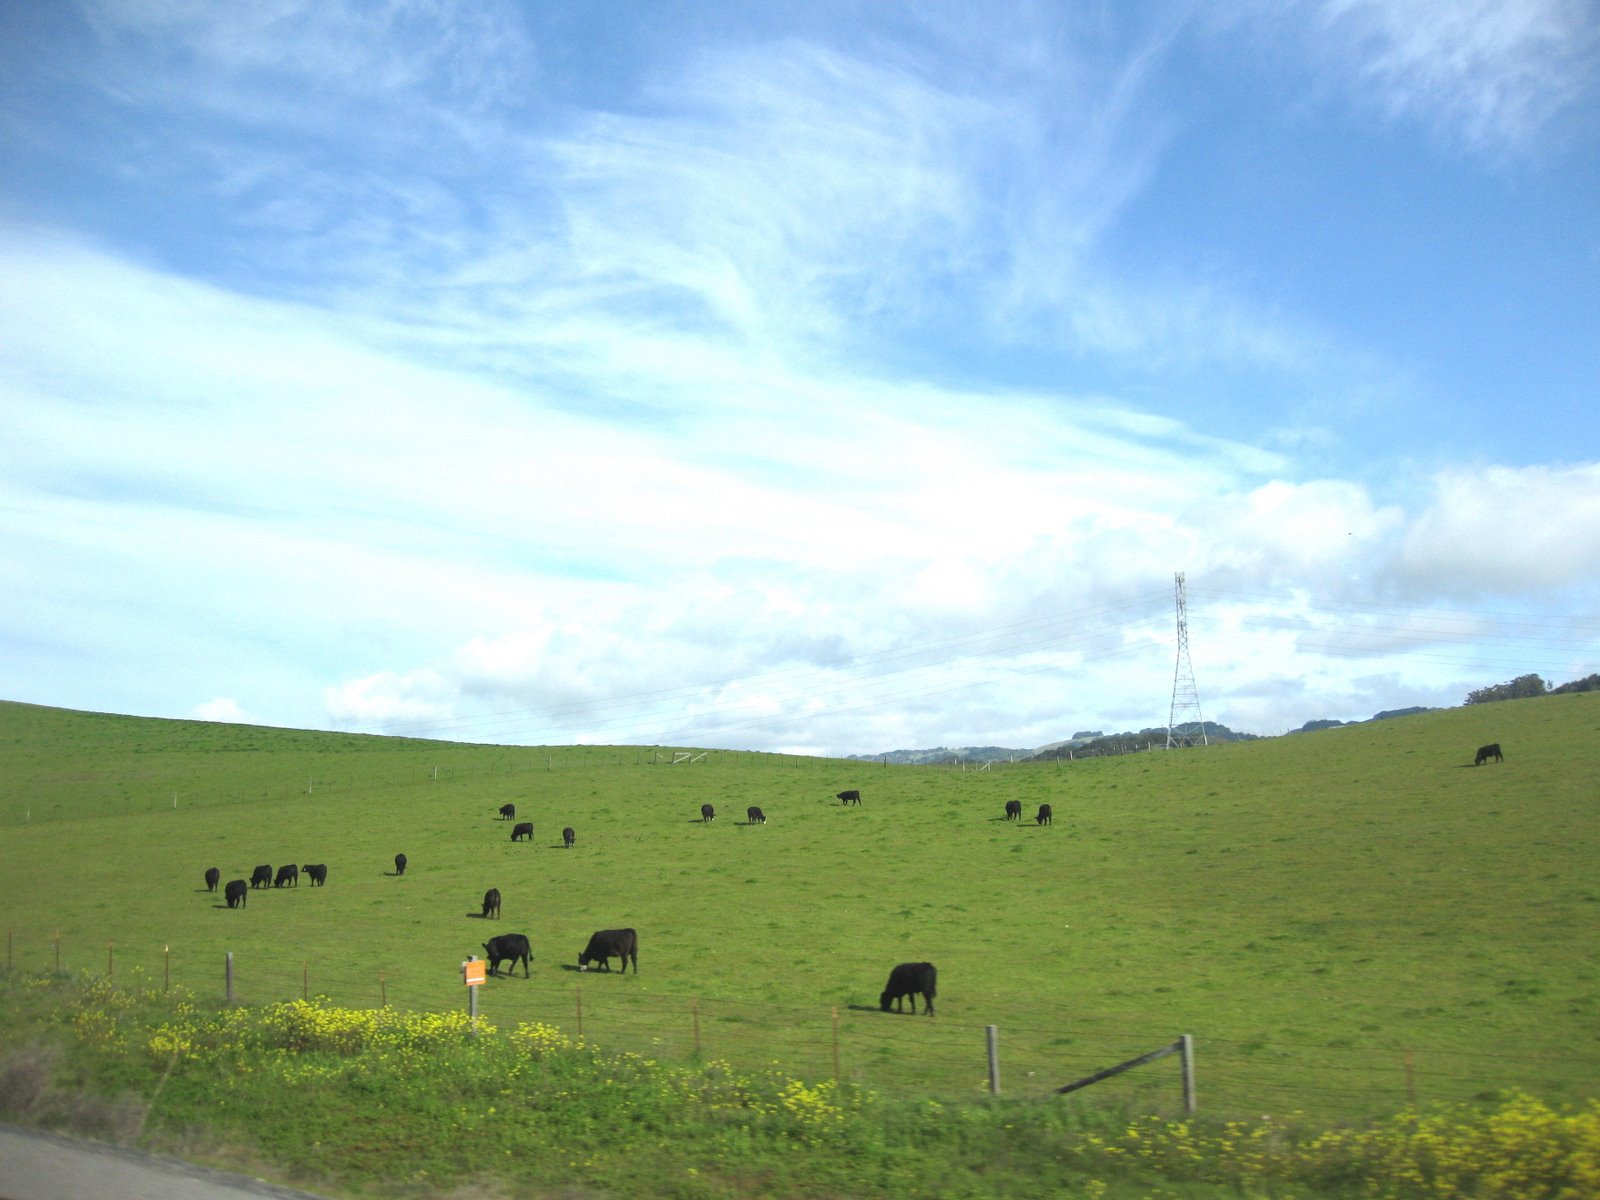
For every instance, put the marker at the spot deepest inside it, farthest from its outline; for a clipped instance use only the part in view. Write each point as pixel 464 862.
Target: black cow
pixel 235 893
pixel 1045 816
pixel 853 796
pixel 755 816
pixel 910 979
pixel 212 877
pixel 491 903
pixel 316 872
pixel 288 876
pixel 707 813
pixel 508 947
pixel 1013 810
pixel 1485 753
pixel 399 864
pixel 508 812
pixel 606 944
pixel 521 830
pixel 568 837
pixel 261 876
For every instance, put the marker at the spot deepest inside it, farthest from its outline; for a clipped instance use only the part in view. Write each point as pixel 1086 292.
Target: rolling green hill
pixel 1343 919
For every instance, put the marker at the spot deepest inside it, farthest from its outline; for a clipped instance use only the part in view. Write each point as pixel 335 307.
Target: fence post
pixel 472 1002
pixel 993 1033
pixel 166 968
pixel 579 989
pixel 836 1043
pixel 1186 1056
pixel 228 967
pixel 383 989
pixel 58 953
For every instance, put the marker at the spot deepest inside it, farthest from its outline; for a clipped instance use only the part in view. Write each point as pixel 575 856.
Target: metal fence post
pixel 229 971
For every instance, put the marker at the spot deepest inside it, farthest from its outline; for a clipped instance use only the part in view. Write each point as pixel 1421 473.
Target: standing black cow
pixel 569 836
pixel 1013 810
pixel 288 876
pixel 1485 753
pixel 508 947
pixel 755 816
pixel 235 893
pixel 508 812
pixel 212 877
pixel 853 796
pixel 606 944
pixel 707 813
pixel 261 876
pixel 491 904
pixel 1045 816
pixel 316 872
pixel 399 864
pixel 911 979
pixel 522 830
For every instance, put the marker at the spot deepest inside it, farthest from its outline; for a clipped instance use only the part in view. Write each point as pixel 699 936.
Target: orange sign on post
pixel 474 971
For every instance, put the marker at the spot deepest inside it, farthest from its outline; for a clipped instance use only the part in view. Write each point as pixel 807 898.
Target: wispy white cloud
pixel 1491 74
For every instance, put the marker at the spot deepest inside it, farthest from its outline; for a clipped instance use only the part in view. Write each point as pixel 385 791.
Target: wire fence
pixel 894 1054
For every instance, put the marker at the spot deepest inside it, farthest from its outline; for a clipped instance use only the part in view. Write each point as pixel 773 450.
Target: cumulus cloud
pixel 222 708
pixel 1507 531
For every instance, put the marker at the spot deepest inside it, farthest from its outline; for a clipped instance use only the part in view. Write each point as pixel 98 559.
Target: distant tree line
pixel 1524 686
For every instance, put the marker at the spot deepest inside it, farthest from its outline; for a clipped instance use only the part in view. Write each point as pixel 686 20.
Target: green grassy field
pixel 1343 920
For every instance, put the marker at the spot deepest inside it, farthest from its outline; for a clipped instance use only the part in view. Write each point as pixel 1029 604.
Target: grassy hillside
pixel 1342 919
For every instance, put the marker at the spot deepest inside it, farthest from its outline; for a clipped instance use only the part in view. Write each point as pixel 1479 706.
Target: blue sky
pixel 816 377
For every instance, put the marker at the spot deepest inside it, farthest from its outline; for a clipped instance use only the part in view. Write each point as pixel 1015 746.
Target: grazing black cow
pixel 508 947
pixel 508 812
pixel 235 893
pixel 399 864
pixel 261 876
pixel 212 877
pixel 910 979
pixel 491 904
pixel 1013 810
pixel 1045 816
pixel 288 876
pixel 521 830
pixel 606 944
pixel 853 796
pixel 1485 753
pixel 707 813
pixel 755 816
pixel 316 872
pixel 568 837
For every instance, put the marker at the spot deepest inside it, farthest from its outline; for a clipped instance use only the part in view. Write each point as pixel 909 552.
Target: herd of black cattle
pixel 906 981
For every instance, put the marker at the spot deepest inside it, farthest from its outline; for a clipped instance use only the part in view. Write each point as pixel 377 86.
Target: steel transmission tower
pixel 1185 696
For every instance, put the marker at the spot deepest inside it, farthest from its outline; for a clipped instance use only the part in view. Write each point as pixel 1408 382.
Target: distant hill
pixel 945 754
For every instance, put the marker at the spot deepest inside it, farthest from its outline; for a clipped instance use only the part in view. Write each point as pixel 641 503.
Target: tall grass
pixel 381 1102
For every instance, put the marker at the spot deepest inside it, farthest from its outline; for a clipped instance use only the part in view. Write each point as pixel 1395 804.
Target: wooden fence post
pixel 836 1043
pixel 993 1033
pixel 228 969
pixel 579 989
pixel 1186 1057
